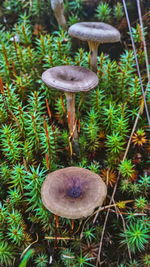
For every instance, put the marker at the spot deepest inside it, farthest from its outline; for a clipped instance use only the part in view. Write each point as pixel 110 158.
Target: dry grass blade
pixel 143 39
pixel 137 63
pixel 23 253
pixel 60 238
pixel 115 187
pixel 132 132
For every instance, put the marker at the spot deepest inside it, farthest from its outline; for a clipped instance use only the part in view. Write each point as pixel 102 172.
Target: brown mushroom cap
pixel 73 192
pixel 70 78
pixel 95 31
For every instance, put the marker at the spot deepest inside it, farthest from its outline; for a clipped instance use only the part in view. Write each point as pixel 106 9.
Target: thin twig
pixel 124 228
pixel 125 154
pixel 129 141
pixel 118 177
pixel 143 39
pixel 108 207
pixel 25 250
pixel 60 238
pixel 136 60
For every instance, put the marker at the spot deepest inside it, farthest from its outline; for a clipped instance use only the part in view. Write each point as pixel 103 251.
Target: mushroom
pixel 58 8
pixel 73 192
pixel 70 79
pixel 95 33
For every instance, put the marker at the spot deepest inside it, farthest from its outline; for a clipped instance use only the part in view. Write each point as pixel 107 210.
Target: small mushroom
pixel 73 192
pixel 95 33
pixel 70 79
pixel 58 8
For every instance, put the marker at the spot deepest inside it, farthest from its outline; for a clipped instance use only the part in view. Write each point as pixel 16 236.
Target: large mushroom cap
pixel 70 78
pixel 95 31
pixel 73 192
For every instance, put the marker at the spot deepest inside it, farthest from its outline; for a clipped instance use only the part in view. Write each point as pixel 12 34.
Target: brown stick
pixel 115 187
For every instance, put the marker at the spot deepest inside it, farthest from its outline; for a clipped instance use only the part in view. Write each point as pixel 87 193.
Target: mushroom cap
pixel 73 192
pixel 95 31
pixel 70 78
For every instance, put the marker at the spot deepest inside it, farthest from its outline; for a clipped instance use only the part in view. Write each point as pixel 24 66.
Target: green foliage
pixel 11 144
pixel 94 167
pixel 136 32
pixel 121 126
pixel 43 216
pixel 60 107
pixel 73 19
pixel 144 183
pixel 91 129
pixel 15 197
pixel 136 236
pixel 88 234
pixel 82 261
pixel 41 260
pixel 97 100
pixel 3 113
pixel 135 91
pixel 26 257
pixel 74 10
pixel 110 114
pixel 126 168
pixel 134 189
pixel 38 8
pixel 103 12
pixel 141 203
pixel 18 177
pixel 75 5
pixel 145 261
pixel 5 172
pixel 23 29
pixel 81 58
pixel 115 143
pixel 3 214
pixel 12 5
pixel 133 263
pixel 48 142
pixel 34 179
pixel 110 75
pixel 118 11
pixel 16 235
pixel 15 218
pixel 6 254
pixel 68 258
pixel 125 185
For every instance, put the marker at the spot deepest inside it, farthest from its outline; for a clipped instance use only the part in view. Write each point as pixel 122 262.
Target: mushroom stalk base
pixel 71 117
pixel 93 46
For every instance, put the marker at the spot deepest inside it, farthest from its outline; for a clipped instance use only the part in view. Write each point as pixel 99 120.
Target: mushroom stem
pixel 71 115
pixel 60 19
pixel 58 8
pixel 93 46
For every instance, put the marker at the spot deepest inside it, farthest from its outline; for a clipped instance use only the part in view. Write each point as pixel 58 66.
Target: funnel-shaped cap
pixel 73 192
